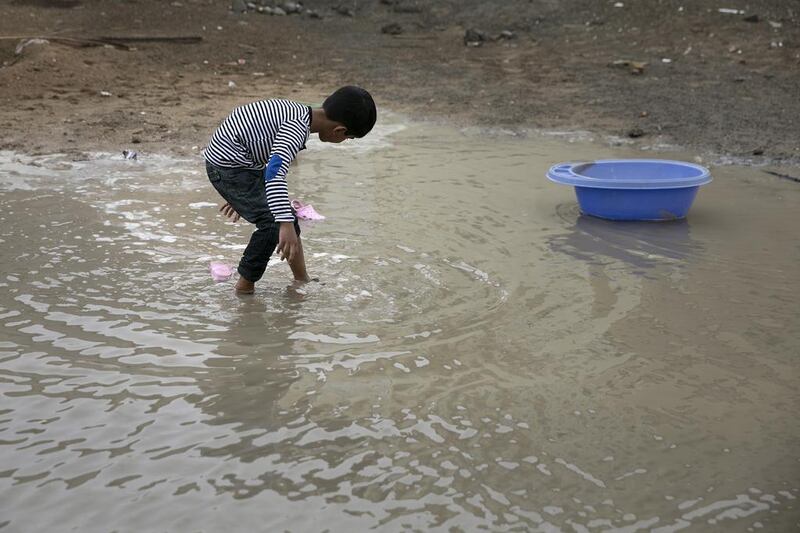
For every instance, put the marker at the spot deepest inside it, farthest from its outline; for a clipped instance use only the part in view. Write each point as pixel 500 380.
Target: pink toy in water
pixel 220 271
pixel 306 211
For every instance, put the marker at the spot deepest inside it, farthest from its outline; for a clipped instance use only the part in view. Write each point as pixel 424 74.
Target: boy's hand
pixel 287 241
pixel 229 212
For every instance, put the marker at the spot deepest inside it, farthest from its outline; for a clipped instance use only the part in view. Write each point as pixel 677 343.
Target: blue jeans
pixel 243 189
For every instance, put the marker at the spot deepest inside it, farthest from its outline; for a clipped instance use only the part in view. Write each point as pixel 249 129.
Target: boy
pixel 247 160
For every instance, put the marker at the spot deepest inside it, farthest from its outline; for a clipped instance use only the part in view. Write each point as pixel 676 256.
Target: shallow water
pixel 478 355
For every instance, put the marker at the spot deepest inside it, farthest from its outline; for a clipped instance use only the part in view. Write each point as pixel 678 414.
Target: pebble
pixel 407 8
pixel 392 29
pixel 345 11
pixel 473 37
pixel 292 7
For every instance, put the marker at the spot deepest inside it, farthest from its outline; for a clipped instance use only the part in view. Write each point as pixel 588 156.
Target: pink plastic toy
pixel 220 271
pixel 306 211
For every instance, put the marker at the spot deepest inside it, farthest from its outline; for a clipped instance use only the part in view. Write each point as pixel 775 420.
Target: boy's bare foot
pixel 244 286
pixel 298 283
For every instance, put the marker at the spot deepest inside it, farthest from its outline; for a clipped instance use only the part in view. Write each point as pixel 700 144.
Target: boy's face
pixel 334 134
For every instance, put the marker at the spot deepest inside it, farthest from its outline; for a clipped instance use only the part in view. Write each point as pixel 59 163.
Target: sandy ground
pixel 726 83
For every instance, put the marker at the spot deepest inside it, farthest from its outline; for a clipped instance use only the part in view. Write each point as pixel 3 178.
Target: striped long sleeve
pixel 264 135
pixel 290 139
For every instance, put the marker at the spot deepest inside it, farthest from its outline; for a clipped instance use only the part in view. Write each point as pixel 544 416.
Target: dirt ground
pixel 654 71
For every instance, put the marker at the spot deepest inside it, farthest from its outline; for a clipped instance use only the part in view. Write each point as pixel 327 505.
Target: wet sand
pixel 477 353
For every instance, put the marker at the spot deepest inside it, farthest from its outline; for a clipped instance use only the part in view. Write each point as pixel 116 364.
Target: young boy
pixel 247 160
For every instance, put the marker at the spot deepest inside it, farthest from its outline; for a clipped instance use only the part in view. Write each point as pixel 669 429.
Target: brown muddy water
pixel 477 355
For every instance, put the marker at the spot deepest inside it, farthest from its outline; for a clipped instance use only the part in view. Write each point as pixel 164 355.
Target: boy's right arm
pixel 288 141
pixel 287 241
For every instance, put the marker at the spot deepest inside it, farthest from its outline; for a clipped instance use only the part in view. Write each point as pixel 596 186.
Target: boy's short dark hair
pixel 353 107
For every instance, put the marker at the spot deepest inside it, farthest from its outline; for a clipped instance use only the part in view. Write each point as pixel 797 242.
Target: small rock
pixel 251 5
pixel 345 11
pixel 264 9
pixel 644 114
pixel 636 67
pixel 278 11
pixel 635 133
pixel 752 18
pixel 775 25
pixel 392 29
pixel 231 84
pixel 238 6
pixel 506 34
pixel 135 140
pixel 758 151
pixel 473 37
pixel 292 7
pixel 313 14
pixel 407 8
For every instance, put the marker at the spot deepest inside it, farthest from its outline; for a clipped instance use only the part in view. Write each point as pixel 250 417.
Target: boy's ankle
pixel 244 286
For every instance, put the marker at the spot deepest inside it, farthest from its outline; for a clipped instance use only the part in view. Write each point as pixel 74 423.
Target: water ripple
pixel 476 354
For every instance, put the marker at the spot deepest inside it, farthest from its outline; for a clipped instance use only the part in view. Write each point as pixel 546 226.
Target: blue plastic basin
pixel 633 189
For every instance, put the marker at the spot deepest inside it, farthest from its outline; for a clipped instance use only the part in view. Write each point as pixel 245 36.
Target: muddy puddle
pixel 476 356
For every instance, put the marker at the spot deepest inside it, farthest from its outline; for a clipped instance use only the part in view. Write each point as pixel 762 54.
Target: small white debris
pixel 27 42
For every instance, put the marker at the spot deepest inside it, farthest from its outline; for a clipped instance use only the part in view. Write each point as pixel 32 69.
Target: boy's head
pixel 353 108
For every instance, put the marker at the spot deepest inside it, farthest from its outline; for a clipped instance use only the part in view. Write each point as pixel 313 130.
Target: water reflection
pixel 641 245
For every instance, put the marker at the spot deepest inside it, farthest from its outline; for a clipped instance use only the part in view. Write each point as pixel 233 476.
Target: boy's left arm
pixel 229 212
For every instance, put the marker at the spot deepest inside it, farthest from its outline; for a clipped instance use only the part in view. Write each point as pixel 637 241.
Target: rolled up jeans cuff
pixel 251 273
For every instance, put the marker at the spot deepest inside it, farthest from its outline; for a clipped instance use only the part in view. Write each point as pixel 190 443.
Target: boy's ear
pixel 340 130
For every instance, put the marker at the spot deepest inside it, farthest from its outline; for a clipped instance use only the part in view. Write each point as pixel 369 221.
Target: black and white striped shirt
pixel 263 135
